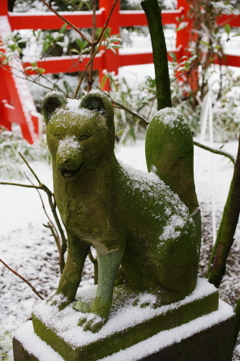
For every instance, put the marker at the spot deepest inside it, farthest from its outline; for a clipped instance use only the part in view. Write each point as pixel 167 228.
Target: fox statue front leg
pixel 71 276
pixel 108 267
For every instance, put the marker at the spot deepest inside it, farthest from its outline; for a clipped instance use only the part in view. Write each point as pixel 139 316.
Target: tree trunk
pixel 227 228
pixel 153 14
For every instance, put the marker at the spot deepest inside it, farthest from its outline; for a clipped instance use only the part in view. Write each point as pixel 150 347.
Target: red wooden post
pixel 4 94
pixel 16 104
pixel 110 60
pixel 3 7
pixel 184 37
pixel 4 97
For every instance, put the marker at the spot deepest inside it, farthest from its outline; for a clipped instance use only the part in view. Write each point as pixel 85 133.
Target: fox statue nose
pixel 68 156
pixel 64 162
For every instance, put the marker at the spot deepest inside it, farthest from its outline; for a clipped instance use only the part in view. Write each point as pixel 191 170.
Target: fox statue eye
pixel 57 136
pixel 83 137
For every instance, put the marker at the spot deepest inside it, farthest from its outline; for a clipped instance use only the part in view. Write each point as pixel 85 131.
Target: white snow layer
pixel 33 344
pixel 65 322
pixel 175 335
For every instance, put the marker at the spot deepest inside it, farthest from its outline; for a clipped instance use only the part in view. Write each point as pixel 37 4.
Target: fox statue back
pixel 146 223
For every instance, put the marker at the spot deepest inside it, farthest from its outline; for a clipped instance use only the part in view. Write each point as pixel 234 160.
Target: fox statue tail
pixel 169 154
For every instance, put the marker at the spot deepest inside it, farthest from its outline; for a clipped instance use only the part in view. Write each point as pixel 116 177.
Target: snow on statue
pixel 146 223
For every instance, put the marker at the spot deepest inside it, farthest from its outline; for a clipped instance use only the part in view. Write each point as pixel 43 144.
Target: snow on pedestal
pixel 65 325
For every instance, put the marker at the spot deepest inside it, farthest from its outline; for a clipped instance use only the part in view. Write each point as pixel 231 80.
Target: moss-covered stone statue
pixel 147 223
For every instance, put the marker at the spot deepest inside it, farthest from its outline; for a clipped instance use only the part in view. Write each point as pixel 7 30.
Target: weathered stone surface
pixel 48 328
pixel 211 341
pixel 213 344
pixel 19 352
pixel 133 219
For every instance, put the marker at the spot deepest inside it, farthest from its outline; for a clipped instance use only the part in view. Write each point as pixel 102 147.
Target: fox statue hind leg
pixel 169 154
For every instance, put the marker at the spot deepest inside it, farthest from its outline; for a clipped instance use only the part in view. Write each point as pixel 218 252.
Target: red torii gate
pixel 16 104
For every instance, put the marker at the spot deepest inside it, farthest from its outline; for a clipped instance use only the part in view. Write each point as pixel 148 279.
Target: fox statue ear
pixel 50 103
pixel 94 103
pixel 100 102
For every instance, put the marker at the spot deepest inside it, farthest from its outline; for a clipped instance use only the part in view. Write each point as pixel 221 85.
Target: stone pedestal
pixel 197 328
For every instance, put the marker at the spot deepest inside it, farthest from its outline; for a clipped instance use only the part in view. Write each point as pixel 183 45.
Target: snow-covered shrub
pixel 132 100
pixel 225 103
pixel 10 146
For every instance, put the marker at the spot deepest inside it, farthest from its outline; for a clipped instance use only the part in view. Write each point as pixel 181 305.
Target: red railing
pixel 104 60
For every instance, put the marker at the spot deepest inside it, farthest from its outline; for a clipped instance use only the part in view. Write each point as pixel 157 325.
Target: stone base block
pixel 196 328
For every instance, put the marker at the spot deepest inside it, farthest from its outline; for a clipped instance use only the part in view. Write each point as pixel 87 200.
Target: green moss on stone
pixel 132 218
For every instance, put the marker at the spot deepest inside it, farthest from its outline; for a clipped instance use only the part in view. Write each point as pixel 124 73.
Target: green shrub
pixel 10 161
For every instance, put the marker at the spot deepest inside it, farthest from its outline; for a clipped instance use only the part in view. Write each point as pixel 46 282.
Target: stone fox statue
pixel 147 223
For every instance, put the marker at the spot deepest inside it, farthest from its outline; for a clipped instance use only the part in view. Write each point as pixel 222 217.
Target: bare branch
pixel 61 249
pixel 24 77
pixel 99 39
pixel 27 164
pixel 49 220
pixel 95 48
pixel 83 73
pixel 93 260
pixel 55 234
pixel 66 21
pixel 90 77
pixel 22 278
pixel 57 241
pixel 119 105
pixel 20 185
pixel 215 151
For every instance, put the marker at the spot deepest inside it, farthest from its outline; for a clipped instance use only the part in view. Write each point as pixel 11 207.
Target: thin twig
pixel 27 164
pixel 96 44
pixel 24 78
pixel 93 260
pixel 215 151
pixel 119 105
pixel 20 185
pixel 55 234
pixel 53 229
pixel 99 39
pixel 90 77
pixel 95 264
pixel 83 73
pixel 66 21
pixel 56 238
pixel 52 204
pixel 22 278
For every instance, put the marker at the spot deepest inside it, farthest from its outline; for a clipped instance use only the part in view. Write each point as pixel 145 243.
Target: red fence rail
pixel 104 60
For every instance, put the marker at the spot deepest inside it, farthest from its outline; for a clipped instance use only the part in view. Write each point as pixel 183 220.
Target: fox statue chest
pixel 88 206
